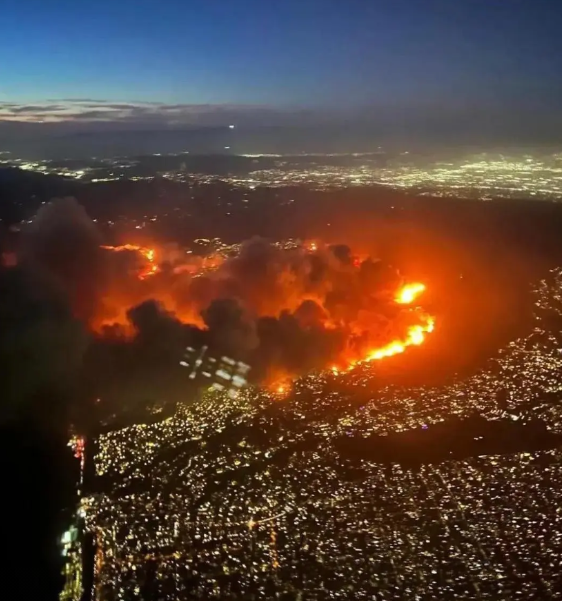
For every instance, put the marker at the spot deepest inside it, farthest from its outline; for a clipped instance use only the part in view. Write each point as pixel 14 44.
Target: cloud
pixel 36 108
pixel 73 113
pixel 97 101
pixel 110 106
pixel 93 116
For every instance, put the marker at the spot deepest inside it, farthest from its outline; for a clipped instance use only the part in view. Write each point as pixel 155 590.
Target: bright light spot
pixel 415 334
pixel 409 293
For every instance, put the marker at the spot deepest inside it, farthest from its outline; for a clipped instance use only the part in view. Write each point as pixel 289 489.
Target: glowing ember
pixel 148 253
pixel 409 293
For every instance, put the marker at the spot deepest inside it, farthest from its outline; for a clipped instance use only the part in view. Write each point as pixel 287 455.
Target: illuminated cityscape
pixel 281 300
pixel 296 495
pixel 514 174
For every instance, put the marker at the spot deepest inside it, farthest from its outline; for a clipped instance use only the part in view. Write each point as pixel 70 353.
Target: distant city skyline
pixel 188 63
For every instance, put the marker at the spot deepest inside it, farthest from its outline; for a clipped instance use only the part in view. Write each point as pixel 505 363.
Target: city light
pixel 481 176
pixel 251 492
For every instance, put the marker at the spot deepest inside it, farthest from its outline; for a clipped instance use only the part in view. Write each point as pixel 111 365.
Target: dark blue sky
pixel 281 53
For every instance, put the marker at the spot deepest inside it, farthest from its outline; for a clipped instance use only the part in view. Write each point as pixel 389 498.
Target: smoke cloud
pixel 41 346
pixel 281 310
pixel 63 244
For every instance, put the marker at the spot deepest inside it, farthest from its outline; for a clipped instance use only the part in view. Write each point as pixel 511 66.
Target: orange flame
pixel 414 337
pixel 148 253
pixel 408 294
pixel 280 383
pixel 415 334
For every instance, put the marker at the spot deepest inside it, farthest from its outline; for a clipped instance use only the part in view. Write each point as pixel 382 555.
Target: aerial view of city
pixel 281 301
pixel 306 492
pixel 515 173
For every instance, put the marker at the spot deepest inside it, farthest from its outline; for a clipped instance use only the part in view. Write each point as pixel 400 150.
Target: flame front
pixel 415 334
pixel 148 253
pixel 414 337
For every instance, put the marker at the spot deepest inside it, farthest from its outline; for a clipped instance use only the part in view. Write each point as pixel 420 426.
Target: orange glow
pixel 408 294
pixel 415 334
pixel 135 287
pixel 414 337
pixel 148 253
pixel 278 381
pixel 371 335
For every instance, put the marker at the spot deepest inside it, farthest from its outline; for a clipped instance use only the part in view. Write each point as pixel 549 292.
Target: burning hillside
pixel 287 310
pixel 150 267
pixel 310 306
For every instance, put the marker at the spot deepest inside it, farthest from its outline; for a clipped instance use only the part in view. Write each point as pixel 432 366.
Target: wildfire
pixel 415 335
pixel 148 253
pixel 408 294
pixel 417 324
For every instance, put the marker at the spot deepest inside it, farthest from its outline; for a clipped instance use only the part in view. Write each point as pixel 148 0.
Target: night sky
pixel 276 61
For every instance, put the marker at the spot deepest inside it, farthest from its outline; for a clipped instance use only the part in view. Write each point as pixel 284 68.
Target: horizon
pixel 421 65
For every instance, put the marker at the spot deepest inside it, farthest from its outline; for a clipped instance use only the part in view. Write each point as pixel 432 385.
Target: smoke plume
pixel 280 309
pixel 41 346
